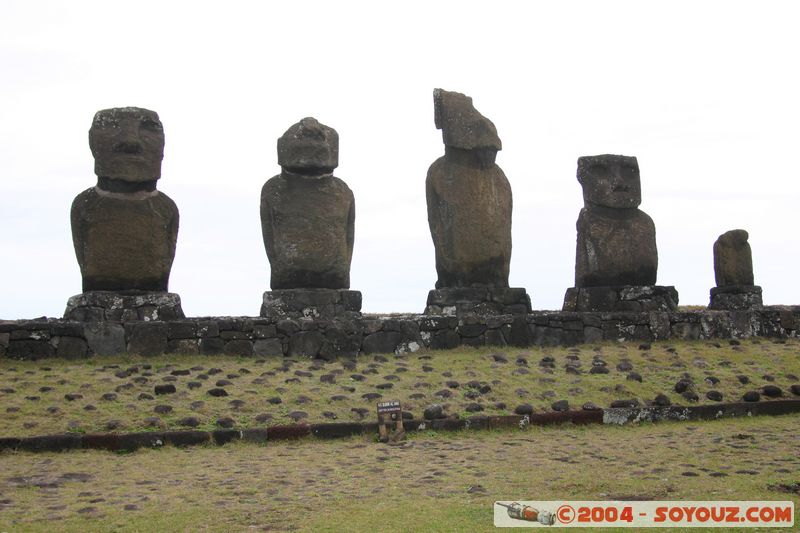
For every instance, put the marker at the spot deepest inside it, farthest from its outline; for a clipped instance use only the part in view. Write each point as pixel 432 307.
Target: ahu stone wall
pixel 347 337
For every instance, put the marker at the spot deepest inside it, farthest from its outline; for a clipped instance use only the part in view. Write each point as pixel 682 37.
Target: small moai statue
pixel 124 230
pixel 469 214
pixel 616 256
pixel 733 273
pixel 308 224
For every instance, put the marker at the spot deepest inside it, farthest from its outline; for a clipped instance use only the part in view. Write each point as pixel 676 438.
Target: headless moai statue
pixel 469 208
pixel 308 223
pixel 124 230
pixel 733 272
pixel 616 246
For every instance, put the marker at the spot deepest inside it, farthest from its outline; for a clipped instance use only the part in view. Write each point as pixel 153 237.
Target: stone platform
pixel 736 298
pixel 460 301
pixel 311 303
pixel 624 298
pixel 124 306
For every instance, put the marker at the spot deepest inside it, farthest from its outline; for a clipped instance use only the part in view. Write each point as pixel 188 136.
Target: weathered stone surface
pixel 307 214
pixel 124 231
pixel 311 303
pixel 616 241
pixel 148 338
pixel 469 198
pixel 736 297
pixel 488 301
pixel 635 299
pixel 105 338
pixel 130 305
pixel 733 259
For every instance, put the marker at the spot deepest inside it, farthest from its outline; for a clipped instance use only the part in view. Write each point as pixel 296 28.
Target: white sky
pixel 705 94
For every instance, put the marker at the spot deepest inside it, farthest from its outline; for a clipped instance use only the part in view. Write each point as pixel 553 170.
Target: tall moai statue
pixel 733 273
pixel 616 256
pixel 123 229
pixel 308 224
pixel 469 214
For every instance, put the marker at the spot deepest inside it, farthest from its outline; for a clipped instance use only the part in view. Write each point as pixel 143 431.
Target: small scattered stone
pixel 662 400
pixel 223 383
pixel 452 384
pixel 751 396
pixel 297 415
pixel 263 417
pixel 197 405
pixel 237 404
pixel 433 412
pixel 690 396
pixel 275 400
pixel 645 346
pixel 89 407
pixel 634 376
pixel 624 366
pixel 523 409
pixel 225 422
pixel 795 389
pixel 360 412
pixel 597 369
pixel 744 380
pixel 162 409
pixel 714 396
pixel 194 385
pixel 165 389
pixel 370 396
pixel 473 408
pixel 71 397
pixel 189 422
pixel 144 396
pixel 560 405
pixel 213 371
pixel 499 358
pixel 444 393
pixel 329 415
pixel 180 372
pixel 327 378
pixel 625 403
pixel 771 391
pixel 682 386
pixel 384 386
pixel 217 392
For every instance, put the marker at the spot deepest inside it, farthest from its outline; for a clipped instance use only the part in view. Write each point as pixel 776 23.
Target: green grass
pixel 421 484
pixel 661 367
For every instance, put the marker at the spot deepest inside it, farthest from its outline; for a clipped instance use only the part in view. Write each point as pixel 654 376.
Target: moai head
pixel 463 127
pixel 127 144
pixel 610 181
pixel 309 148
pixel 733 259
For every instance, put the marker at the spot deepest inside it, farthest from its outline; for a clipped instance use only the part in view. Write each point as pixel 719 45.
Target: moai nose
pixel 127 141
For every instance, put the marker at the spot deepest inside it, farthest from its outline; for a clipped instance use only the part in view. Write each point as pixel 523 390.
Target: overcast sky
pixel 705 94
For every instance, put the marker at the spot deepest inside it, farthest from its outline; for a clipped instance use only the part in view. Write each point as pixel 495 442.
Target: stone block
pixel 736 298
pixel 105 338
pixel 268 347
pixel 306 343
pixel 71 348
pixel 148 338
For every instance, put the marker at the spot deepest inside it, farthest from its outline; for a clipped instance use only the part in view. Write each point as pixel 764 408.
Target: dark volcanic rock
pixel 217 392
pixel 744 380
pixel 662 400
pixel 751 396
pixel 162 409
pixel 634 376
pixel 560 405
pixel 616 241
pixel 227 423
pixel 124 230
pixel 469 198
pixel 714 396
pixel 733 259
pixel 625 403
pixel 795 389
pixel 682 386
pixel 433 412
pixel 165 389
pixel 690 396
pixel 307 214
pixel 523 409
pixel 771 391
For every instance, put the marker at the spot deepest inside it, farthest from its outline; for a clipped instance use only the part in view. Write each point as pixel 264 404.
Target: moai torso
pixel 469 199
pixel 307 214
pixel 616 241
pixel 124 230
pixel 733 259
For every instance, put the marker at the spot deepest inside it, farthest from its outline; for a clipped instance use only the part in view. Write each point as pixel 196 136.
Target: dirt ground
pixel 431 482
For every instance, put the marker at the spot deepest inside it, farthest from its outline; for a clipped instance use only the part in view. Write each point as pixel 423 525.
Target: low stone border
pixel 119 442
pixel 347 337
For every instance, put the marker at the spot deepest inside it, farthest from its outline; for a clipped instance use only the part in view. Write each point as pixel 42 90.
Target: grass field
pixel 118 394
pixel 444 482
pixel 430 482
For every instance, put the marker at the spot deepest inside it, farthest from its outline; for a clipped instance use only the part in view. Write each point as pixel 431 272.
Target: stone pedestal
pixel 478 301
pixel 124 306
pixel 736 298
pixel 311 303
pixel 628 298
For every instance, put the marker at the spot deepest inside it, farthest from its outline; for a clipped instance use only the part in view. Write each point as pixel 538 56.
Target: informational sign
pixel 390 416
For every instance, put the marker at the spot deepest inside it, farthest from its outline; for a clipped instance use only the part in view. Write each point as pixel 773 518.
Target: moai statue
pixel 616 257
pixel 124 230
pixel 733 272
pixel 308 224
pixel 469 214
